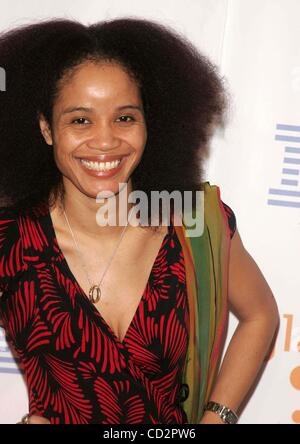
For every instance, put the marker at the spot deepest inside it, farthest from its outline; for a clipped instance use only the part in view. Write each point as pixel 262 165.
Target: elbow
pixel 276 319
pixel 271 319
pixel 268 317
pixel 274 314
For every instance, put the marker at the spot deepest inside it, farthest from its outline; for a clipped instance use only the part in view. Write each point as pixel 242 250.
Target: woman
pixel 120 324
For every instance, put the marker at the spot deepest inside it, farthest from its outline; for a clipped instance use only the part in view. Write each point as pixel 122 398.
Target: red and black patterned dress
pixel 77 371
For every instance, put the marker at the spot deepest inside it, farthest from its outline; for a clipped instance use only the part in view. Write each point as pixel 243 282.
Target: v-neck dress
pixel 76 370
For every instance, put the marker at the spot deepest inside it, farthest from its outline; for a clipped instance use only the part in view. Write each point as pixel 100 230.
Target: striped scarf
pixel 206 263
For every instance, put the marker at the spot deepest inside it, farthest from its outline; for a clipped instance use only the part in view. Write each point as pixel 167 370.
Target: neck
pixel 83 213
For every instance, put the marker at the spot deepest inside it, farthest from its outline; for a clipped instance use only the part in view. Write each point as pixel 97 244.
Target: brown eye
pixel 126 117
pixel 79 121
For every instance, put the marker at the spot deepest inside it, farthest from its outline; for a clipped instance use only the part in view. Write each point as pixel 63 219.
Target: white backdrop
pixel 256 161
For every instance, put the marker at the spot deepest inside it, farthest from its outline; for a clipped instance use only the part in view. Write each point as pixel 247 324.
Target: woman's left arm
pixel 252 301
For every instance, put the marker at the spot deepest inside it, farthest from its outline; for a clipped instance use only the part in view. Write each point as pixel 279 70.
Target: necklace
pixel 95 289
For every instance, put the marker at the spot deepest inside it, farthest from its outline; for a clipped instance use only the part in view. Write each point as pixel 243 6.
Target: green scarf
pixel 206 263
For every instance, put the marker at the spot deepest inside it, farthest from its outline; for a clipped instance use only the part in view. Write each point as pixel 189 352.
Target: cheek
pixel 140 139
pixel 64 147
pixel 65 143
pixel 60 158
pixel 67 140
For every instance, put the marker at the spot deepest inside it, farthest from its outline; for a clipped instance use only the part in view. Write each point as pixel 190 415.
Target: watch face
pixel 227 415
pixel 230 418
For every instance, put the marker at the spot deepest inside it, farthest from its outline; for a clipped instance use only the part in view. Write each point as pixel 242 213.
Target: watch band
pixel 25 419
pixel 226 414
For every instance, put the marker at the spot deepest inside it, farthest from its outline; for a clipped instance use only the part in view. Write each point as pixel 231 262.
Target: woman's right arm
pixel 8 233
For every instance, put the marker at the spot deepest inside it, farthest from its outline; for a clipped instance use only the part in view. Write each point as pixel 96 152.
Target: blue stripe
pixel 284 192
pixel 9 360
pixel 290 182
pixel 283 203
pixel 292 160
pixel 292 149
pixel 283 127
pixel 10 370
pixel 290 171
pixel 287 138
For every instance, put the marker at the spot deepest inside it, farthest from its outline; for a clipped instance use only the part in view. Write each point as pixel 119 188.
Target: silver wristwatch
pixel 226 414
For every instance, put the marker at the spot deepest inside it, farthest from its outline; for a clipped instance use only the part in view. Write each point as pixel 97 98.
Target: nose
pixel 103 138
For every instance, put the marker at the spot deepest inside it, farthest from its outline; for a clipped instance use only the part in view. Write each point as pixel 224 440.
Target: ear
pixel 45 129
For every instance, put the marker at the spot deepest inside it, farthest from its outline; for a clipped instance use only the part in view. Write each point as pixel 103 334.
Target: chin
pixel 109 190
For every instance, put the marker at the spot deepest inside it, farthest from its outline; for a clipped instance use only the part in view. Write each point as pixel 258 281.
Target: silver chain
pixel 80 253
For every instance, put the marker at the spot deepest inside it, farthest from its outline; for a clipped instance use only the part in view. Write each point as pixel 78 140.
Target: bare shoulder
pixel 250 296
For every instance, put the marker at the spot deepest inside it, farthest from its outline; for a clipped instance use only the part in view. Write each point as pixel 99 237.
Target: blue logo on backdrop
pixel 8 364
pixel 288 194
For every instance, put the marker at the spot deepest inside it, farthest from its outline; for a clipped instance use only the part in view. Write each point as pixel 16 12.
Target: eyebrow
pixel 86 109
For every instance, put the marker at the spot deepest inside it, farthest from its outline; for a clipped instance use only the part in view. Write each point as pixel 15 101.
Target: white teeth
pixel 100 166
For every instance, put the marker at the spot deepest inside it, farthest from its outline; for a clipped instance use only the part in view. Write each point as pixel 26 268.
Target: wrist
pixel 25 419
pixel 211 418
pixel 227 415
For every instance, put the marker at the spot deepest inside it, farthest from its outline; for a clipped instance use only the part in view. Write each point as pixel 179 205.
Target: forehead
pixel 98 80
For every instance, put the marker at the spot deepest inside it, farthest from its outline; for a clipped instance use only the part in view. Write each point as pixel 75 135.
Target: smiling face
pixel 98 129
